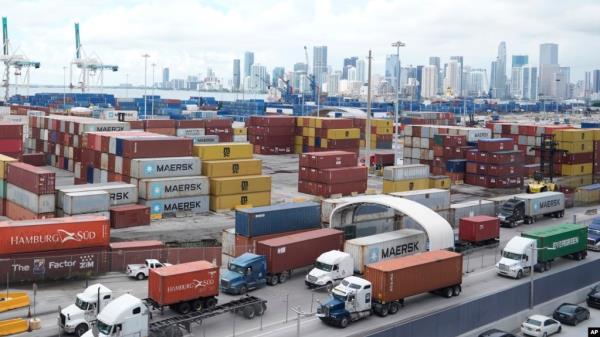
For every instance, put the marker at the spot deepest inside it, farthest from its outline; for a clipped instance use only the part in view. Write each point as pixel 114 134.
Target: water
pixel 137 92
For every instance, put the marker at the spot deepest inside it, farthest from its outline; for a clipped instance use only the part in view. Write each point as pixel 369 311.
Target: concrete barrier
pixel 13 326
pixel 13 300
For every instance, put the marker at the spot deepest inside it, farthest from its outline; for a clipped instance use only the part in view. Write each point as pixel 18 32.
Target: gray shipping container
pixel 413 171
pixel 165 188
pixel 366 228
pixel 434 198
pixel 191 132
pixel 196 205
pixel 469 209
pixel 119 193
pixel 33 202
pixel 542 203
pixel 228 241
pixel 165 167
pixel 85 202
pixel 210 139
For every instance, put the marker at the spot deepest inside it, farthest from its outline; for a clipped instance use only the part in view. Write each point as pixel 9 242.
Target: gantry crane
pixel 18 62
pixel 89 66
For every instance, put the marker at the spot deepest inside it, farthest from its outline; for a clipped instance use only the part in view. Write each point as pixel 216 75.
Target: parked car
pixel 540 326
pixel 572 314
pixel 141 271
pixel 496 333
pixel 593 297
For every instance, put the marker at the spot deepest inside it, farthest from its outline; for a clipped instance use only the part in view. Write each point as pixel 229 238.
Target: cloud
pixel 189 35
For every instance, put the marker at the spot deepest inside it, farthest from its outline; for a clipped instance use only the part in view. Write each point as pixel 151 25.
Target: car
pixel 496 333
pixel 540 326
pixel 572 314
pixel 141 271
pixel 593 297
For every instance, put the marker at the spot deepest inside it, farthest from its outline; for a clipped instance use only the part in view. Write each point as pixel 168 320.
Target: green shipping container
pixel 2 188
pixel 565 239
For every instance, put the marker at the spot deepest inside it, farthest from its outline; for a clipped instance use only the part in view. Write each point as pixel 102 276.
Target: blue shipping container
pixel 279 218
pixel 456 165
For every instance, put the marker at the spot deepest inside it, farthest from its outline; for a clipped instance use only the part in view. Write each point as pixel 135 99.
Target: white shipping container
pixel 240 138
pixel 85 202
pixel 119 193
pixel 514 129
pixel 415 153
pixel 469 209
pixel 475 134
pixel 165 167
pixel 434 198
pixel 191 132
pixel 164 188
pixel 424 143
pixel 408 141
pixel 414 171
pixel 408 130
pixel 210 139
pixel 426 132
pixel 33 202
pixel 196 205
pixel 542 203
pixel 228 241
pixel 328 205
pixel 384 246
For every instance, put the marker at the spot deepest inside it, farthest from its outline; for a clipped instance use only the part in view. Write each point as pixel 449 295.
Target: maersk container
pixel 119 193
pixel 178 187
pixel 542 203
pixel 277 218
pixel 196 205
pixel 190 133
pixel 414 171
pixel 35 203
pixel 384 246
pixel 165 167
pixel 563 240
pixel 86 202
pixel 434 198
pixel 469 209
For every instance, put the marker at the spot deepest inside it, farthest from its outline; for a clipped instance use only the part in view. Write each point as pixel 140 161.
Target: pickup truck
pixel 141 271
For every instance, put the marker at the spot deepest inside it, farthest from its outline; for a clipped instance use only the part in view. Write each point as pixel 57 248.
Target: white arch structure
pixel 438 230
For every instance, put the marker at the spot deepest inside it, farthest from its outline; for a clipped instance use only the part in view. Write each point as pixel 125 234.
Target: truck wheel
pixel 184 307
pixel 273 280
pixel 249 312
pixel 385 310
pixel 243 290
pixel 394 307
pixel 519 274
pixel 260 309
pixel 210 303
pixel 140 276
pixel 448 292
pixel 197 305
pixel 81 329
pixel 456 290
pixel 344 322
pixel 329 286
pixel 283 277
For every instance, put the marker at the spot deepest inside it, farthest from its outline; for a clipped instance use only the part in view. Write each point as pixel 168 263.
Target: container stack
pixel 4 161
pixel 196 130
pixel 381 132
pixel 11 139
pixel 331 172
pixel 449 153
pixel 272 134
pixel 221 127
pixel 235 177
pixel 316 134
pixel 597 153
pixel 29 192
pixel 405 178
pixel 240 134
pixel 495 164
pixel 160 126
pixel 577 157
pixel 428 118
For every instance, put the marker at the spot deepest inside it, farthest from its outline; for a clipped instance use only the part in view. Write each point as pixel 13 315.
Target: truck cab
pixel 518 257
pixel 78 318
pixel 351 301
pixel 512 212
pixel 593 241
pixel 125 316
pixel 141 271
pixel 246 272
pixel 329 268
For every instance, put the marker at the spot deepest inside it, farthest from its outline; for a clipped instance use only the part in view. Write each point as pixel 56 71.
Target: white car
pixel 141 271
pixel 540 326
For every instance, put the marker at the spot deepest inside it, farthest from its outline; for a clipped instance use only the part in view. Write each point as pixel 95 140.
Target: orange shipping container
pixel 183 282
pixel 53 234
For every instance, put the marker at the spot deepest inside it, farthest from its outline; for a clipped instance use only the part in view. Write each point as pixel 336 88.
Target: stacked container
pixel 332 172
pixel 29 192
pixel 578 156
pixel 196 130
pixel 405 178
pixel 240 134
pixel 221 127
pixel 4 161
pixel 381 132
pixel 495 164
pixel 272 134
pixel 597 153
pixel 161 126
pixel 235 178
pixel 428 118
pixel 315 134
pixel 449 156
pixel 11 139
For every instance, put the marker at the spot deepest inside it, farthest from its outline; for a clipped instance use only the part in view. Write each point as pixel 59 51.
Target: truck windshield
pixel 512 256
pixel 506 210
pixel 236 269
pixel 592 230
pixel 104 328
pixel 339 297
pixel 323 266
pixel 81 304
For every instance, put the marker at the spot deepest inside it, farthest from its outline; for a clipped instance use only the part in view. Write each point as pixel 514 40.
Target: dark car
pixel 593 297
pixel 571 314
pixel 496 333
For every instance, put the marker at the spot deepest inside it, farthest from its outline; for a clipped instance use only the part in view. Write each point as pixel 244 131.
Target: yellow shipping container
pixel 237 185
pixel 223 151
pixel 574 181
pixel 577 169
pixel 587 196
pixel 4 160
pixel 229 202
pixel 311 141
pixel 240 131
pixel 232 168
pixel 298 140
pixel 297 149
pixel 597 134
pixel 442 182
pixel 383 130
pixel 352 133
pixel 405 185
pixel 381 123
pixel 362 143
pixel 308 132
pixel 300 121
pixel 577 147
pixel 312 122
pixel 574 135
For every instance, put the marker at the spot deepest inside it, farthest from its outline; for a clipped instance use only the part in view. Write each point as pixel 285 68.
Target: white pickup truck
pixel 140 271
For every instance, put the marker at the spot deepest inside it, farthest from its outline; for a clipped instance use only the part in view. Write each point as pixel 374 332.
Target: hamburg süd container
pixel 165 167
pixel 183 282
pixel 278 218
pixel 86 202
pixel 175 187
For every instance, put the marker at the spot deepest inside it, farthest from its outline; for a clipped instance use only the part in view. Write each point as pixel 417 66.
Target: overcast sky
pixel 189 36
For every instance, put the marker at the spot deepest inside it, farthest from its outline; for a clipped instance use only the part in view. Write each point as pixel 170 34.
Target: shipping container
pixel 327 207
pixel 339 175
pixel 183 282
pixel 4 161
pixel 151 147
pixel 290 252
pixel 542 203
pixel 164 167
pixel 86 202
pixel 404 172
pixel 429 271
pixel 228 242
pixel 232 201
pixel 134 252
pixel 328 159
pixel 239 185
pixel 31 201
pixel 374 248
pixel 469 209
pixel 390 186
pixel 173 187
pixel 129 216
pixel 31 178
pixel 231 168
pixel 53 234
pixel 278 218
pixel 195 205
pixel 436 199
pixel 479 228
pixel 119 193
pixel 223 151
pixel 565 239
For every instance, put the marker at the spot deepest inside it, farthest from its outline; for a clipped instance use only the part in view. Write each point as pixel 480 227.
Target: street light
pixel 145 56
pixel 533 249
pixel 396 44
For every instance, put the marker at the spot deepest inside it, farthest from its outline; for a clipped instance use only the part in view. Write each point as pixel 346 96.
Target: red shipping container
pixel 34 159
pixel 308 187
pixel 14 145
pixel 384 159
pixel 471 167
pixel 340 175
pixel 134 252
pixel 334 144
pixel 150 147
pixel 575 158
pixel 136 125
pixel 271 130
pixel 10 130
pixel 495 145
pixel 328 159
pixel 248 244
pixel 219 123
pixel 336 123
pixel 162 131
pixel 183 282
pixel 191 124
pixel 34 179
pixel 129 216
pixel 272 121
pixel 325 190
pixel 271 140
pixel 54 234
pixel 479 228
pixel 505 157
pixel 273 150
pixel 499 170
pixel 159 123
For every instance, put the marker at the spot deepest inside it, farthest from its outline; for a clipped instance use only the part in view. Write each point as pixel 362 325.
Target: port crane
pixel 19 62
pixel 286 92
pixel 89 67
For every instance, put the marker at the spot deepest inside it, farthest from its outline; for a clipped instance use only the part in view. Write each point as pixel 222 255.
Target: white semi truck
pixel 78 318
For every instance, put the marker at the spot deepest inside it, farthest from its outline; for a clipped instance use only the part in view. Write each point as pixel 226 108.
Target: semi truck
pixel 527 208
pixel 535 250
pixel 593 239
pixel 78 317
pixel 276 258
pixel 385 286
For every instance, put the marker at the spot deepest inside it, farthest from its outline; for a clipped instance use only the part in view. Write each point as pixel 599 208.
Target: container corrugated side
pixel 198 204
pixel 228 241
pixel 119 193
pixel 414 171
pixel 183 282
pixel 86 202
pixel 177 187
pixel 436 199
pixel 223 151
pixel 4 160
pixel 238 185
pixel 469 209
pixel 277 218
pixel 232 168
pixel 565 239
pixel 229 202
pixel 31 201
pixel 165 167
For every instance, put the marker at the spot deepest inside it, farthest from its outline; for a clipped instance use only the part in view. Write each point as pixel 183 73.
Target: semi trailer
pixel 527 208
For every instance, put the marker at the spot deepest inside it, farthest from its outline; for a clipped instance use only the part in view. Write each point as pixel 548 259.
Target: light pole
pixel 145 56
pixel 368 128
pixel 533 249
pixel 396 44
pixel 153 66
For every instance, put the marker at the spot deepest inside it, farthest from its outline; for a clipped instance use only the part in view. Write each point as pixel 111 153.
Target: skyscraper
pixel 333 82
pixel 360 71
pixel 235 85
pixel 477 83
pixel 258 78
pixel 348 62
pixel 596 81
pixel 526 82
pixel 533 74
pixel 299 82
pixel 548 53
pixel 459 60
pixel 452 79
pixel 430 81
pixel 516 82
pixel 499 85
pixel 392 70
pixel 319 64
pixel 248 62
pixel 519 60
pixel 547 68
pixel 165 78
pixel 277 75
pixel 419 81
pixel 587 84
pixel 435 61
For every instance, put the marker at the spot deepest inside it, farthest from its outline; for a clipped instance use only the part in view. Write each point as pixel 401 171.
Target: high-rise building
pixel 165 78
pixel 525 82
pixel 561 81
pixel 587 84
pixel 459 60
pixel 248 62
pixel 477 83
pixel 333 83
pixel 516 82
pixel 499 84
pixel 348 62
pixel 548 53
pixel 519 60
pixel 258 78
pixel 548 67
pixel 430 81
pixel 533 75
pixel 392 70
pixel 319 64
pixel 419 81
pixel 435 61
pixel 596 81
pixel 352 74
pixel 277 75
pixel 360 71
pixel 452 79
pixel 299 80
pixel 235 85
